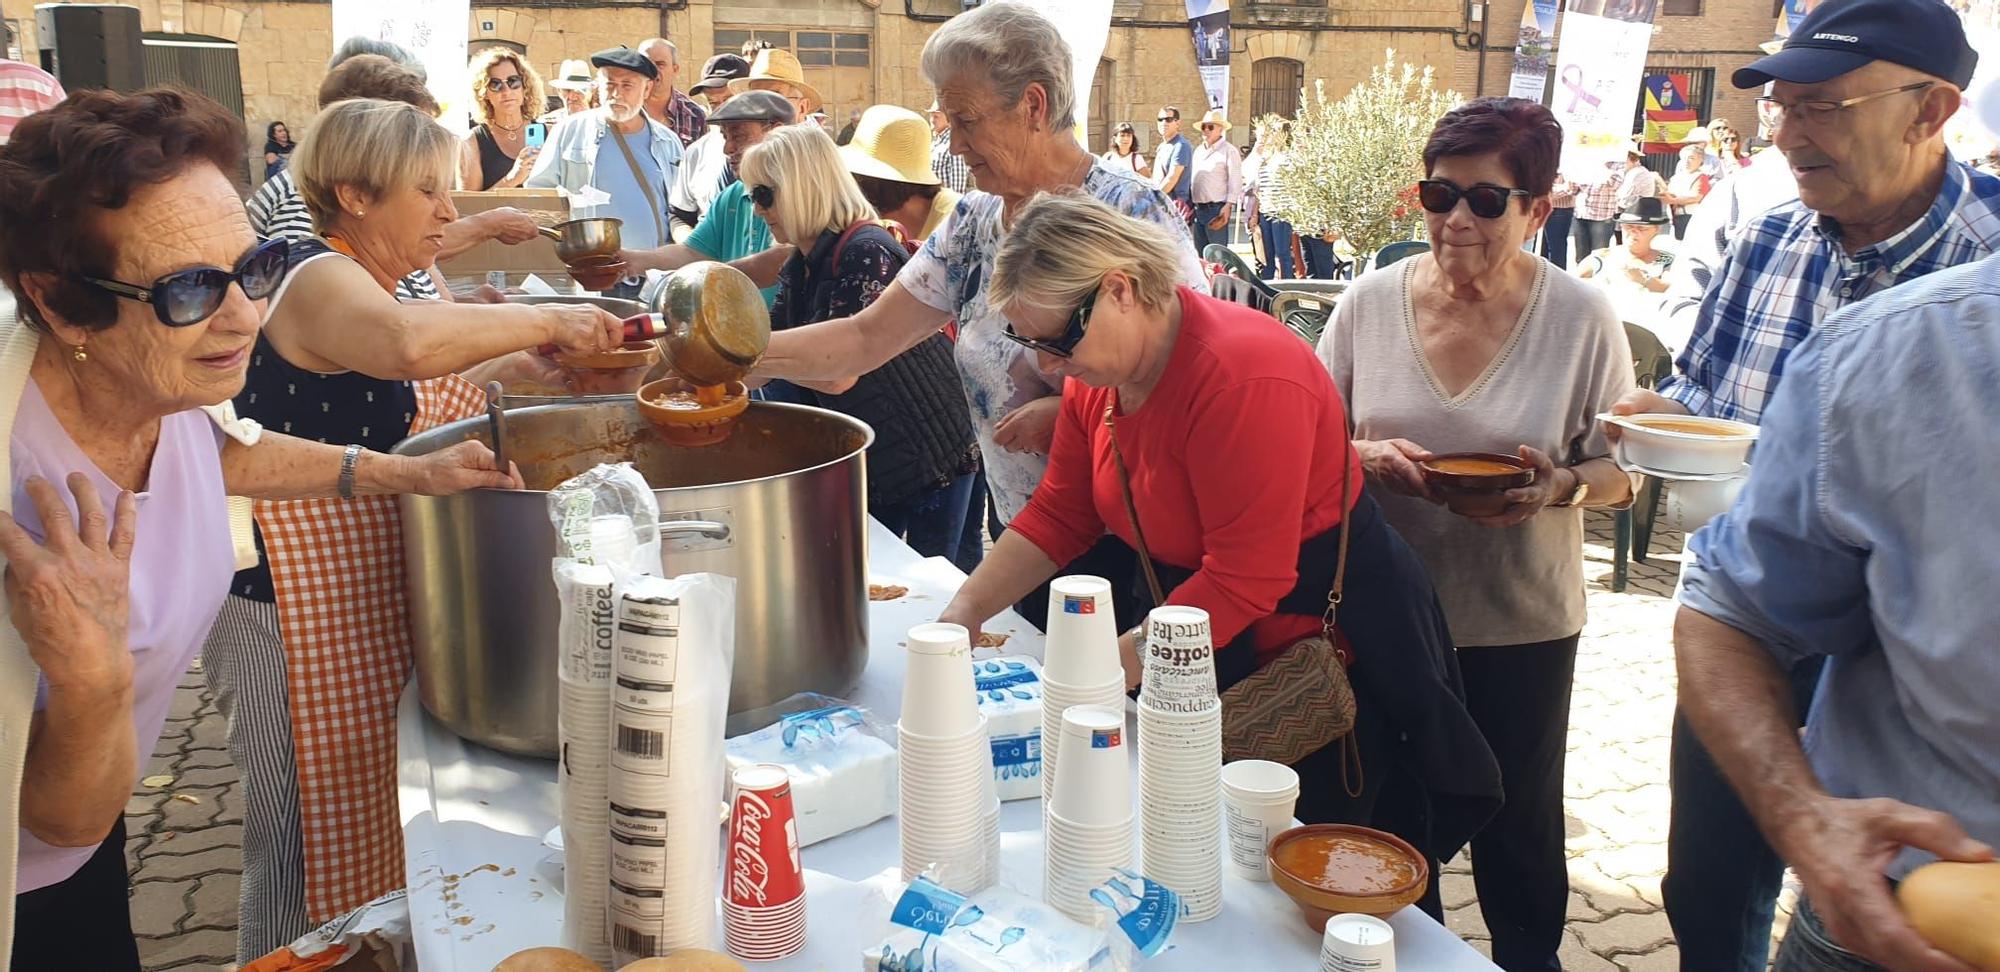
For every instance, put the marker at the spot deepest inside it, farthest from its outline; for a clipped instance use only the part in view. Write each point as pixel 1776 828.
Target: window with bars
pixel 815 48
pixel 1275 84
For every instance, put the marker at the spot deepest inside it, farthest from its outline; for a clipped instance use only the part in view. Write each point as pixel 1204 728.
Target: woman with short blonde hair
pixel 507 94
pixel 340 359
pixel 1226 436
pixel 923 464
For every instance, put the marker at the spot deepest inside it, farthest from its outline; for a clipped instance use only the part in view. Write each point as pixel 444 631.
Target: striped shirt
pixel 952 170
pixel 276 209
pixel 686 118
pixel 1786 272
pixel 24 90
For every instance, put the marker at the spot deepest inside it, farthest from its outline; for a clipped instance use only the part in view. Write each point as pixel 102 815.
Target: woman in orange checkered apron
pixel 312 649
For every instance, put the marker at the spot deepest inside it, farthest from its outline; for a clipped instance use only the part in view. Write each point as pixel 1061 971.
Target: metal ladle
pixel 496 423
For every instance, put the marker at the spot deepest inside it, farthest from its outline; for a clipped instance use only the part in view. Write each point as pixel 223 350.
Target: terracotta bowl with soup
pixel 1691 445
pixel 1476 483
pixel 1333 869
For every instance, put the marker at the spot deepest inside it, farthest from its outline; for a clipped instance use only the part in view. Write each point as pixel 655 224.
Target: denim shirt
pixel 1866 533
pixel 569 162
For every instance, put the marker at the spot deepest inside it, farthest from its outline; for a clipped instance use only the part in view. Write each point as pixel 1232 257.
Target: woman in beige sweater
pixel 1481 346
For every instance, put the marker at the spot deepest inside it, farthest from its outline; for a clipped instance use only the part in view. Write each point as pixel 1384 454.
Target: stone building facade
pixel 862 52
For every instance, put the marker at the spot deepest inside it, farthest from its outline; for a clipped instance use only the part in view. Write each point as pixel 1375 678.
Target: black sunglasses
pixel 1164 118
pixel 193 295
pixel 1485 200
pixel 763 196
pixel 1064 344
pixel 510 81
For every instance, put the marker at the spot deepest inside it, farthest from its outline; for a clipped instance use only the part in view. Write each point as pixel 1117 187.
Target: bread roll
pixel 1953 906
pixel 547 959
pixel 687 960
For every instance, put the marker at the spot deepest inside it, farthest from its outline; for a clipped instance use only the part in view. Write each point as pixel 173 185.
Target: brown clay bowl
pixel 1476 483
pixel 598 273
pixel 1318 902
pixel 642 354
pixel 689 424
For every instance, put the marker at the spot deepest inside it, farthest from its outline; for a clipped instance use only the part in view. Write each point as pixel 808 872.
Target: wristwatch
pixel 1582 490
pixel 347 463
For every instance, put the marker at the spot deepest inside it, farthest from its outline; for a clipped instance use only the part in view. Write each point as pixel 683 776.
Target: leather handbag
pixel 1299 703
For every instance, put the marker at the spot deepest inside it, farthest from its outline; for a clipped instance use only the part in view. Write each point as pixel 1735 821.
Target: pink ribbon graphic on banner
pixel 1572 78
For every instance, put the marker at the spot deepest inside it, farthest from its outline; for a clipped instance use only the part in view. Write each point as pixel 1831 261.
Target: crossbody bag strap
pixel 639 176
pixel 1131 507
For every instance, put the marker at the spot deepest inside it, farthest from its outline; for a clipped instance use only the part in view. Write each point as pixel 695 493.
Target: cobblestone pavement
pixel 186 831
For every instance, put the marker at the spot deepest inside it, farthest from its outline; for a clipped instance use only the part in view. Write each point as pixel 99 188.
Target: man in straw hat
pixel 889 158
pixel 572 83
pixel 667 105
pixel 1860 96
pixel 1215 181
pixel 777 69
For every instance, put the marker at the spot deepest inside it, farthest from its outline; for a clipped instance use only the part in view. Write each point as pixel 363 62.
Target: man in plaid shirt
pixel 949 168
pixel 1596 209
pixel 668 105
pixel 1860 96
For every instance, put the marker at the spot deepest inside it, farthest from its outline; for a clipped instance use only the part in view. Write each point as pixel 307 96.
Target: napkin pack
pixel 1010 697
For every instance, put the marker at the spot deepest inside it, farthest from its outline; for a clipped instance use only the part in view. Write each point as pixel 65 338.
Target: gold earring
pixel 79 353
pixel 359 214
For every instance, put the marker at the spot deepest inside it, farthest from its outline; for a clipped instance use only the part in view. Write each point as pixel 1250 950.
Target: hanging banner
pixel 433 30
pixel 1086 27
pixel 1669 117
pixel 1209 20
pixel 1534 50
pixel 1603 54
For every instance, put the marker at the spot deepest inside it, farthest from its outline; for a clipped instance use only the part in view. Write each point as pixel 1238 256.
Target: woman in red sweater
pixel 1235 442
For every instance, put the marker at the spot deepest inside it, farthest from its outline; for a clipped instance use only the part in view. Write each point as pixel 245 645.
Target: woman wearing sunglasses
pixel 923 462
pixel 1481 346
pixel 1227 438
pixel 342 360
pixel 138 288
pixel 506 95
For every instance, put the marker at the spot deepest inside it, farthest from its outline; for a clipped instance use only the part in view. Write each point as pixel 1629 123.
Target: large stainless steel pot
pixel 788 492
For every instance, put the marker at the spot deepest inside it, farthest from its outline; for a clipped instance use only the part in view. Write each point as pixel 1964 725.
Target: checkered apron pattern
pixel 337 567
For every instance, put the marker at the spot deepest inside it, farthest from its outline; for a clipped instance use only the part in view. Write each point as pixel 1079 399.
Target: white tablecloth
pixel 483 885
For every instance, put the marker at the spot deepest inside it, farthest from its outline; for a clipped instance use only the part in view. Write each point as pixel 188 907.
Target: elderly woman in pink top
pixel 138 287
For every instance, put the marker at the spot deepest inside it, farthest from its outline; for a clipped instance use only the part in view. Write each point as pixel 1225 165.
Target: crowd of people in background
pixel 1027 327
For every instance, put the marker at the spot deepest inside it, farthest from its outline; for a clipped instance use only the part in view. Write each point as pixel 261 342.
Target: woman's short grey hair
pixel 378 147
pixel 362 44
pixel 1062 245
pixel 1011 47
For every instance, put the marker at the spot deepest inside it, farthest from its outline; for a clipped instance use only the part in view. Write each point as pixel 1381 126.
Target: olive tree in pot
pixel 1354 163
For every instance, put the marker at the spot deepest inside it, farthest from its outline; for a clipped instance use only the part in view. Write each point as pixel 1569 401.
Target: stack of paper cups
pixel 764 889
pixel 583 726
pixel 1180 760
pixel 1258 797
pixel 1089 823
pixel 948 810
pixel 1080 663
pixel 669 698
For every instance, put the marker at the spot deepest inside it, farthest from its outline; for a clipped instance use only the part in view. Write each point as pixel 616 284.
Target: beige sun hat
pixel 777 64
pixel 1215 116
pixel 574 75
pixel 892 143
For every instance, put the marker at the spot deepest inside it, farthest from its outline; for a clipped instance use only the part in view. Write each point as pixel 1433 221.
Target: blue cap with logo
pixel 1839 36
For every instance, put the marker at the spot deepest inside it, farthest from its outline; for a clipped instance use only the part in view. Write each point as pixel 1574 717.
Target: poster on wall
pixel 1534 50
pixel 433 30
pixel 1208 20
pixel 1669 116
pixel 1603 54
pixel 1086 27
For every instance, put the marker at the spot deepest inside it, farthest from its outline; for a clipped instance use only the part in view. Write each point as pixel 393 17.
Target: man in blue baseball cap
pixel 1858 99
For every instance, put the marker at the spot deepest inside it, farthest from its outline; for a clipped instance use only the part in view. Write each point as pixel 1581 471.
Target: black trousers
pixel 1519 696
pixel 82 923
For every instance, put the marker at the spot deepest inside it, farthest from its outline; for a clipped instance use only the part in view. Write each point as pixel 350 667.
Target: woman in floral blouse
pixel 923 463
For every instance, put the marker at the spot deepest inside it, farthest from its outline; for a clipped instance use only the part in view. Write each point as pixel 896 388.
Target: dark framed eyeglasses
pixel 1163 119
pixel 510 81
pixel 763 195
pixel 193 295
pixel 1062 345
pixel 1487 201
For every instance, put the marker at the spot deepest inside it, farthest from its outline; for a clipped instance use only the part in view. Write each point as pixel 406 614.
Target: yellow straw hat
pixel 777 64
pixel 1215 117
pixel 891 143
